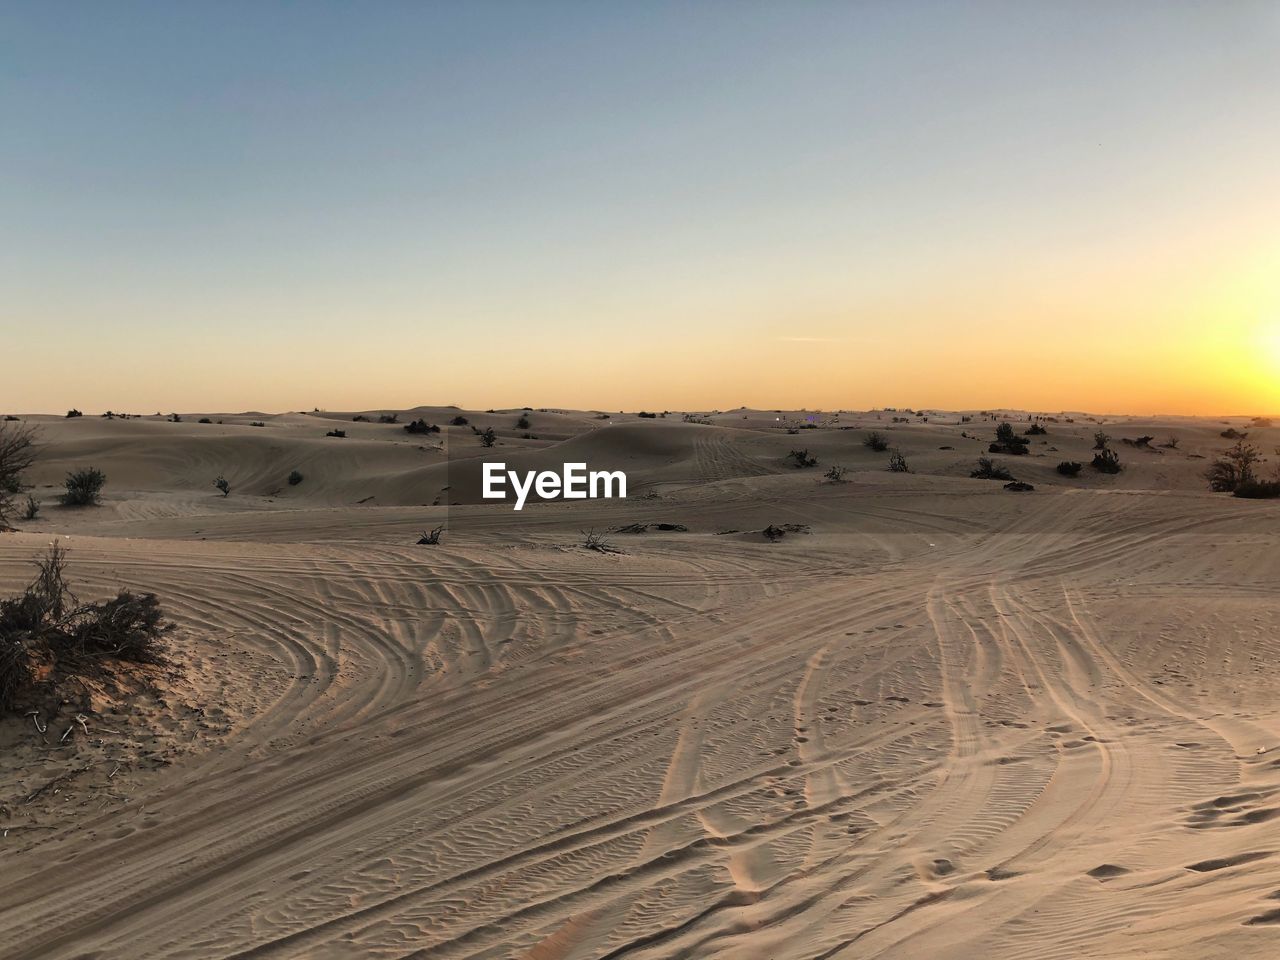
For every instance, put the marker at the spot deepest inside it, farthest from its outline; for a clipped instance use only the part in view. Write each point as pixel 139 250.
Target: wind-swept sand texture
pixel 949 721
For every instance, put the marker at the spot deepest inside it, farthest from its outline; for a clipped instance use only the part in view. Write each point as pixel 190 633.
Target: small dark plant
pixel 431 537
pixel 898 463
pixel 488 438
pixel 32 508
pixel 1007 441
pixel 17 453
pixel 801 458
pixel 1100 440
pixel 336 433
pixel 596 541
pixel 522 423
pixel 389 418
pixel 836 474
pixel 295 478
pixel 459 421
pixel 222 484
pixel 420 426
pixel 1233 468
pixel 988 469
pixel 877 441
pixel 84 487
pixel 73 412
pixel 1107 461
pixel 1036 430
pixel 1258 490
pixel 1070 468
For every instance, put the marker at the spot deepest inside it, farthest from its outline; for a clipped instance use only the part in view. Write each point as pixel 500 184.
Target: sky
pixel 278 206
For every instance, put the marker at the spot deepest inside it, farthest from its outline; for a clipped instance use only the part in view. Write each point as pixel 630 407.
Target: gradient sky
pixel 229 206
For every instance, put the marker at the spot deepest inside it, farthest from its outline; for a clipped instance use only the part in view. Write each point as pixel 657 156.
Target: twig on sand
pixel 596 541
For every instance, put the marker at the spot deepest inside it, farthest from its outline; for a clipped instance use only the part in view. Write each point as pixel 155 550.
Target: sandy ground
pixel 947 721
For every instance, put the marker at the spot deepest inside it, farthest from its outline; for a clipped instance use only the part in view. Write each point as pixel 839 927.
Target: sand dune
pixel 946 721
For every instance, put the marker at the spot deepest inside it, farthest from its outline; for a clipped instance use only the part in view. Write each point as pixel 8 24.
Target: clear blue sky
pixel 270 205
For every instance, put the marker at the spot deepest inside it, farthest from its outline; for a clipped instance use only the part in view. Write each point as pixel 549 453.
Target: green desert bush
pixel 222 484
pixel 84 487
pixel 877 441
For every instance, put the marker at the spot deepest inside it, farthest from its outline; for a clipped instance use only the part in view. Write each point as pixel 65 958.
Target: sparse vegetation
pixel 1007 441
pixel 459 421
pixel 644 415
pixel 1258 490
pixel 1019 486
pixel 835 474
pixel 1070 468
pixel 877 441
pixel 336 433
pixel 389 418
pixel 53 645
pixel 1231 433
pixel 1171 443
pixel 1107 461
pixel 84 487
pixel 420 426
pixel 259 423
pixel 17 453
pixel 432 536
pixel 31 509
pixel 523 422
pixel 898 463
pixel 1100 440
pixel 801 459
pixel 488 438
pixel 222 484
pixel 1036 430
pixel 73 412
pixel 1233 468
pixel 295 478
pixel 988 469
pixel 773 533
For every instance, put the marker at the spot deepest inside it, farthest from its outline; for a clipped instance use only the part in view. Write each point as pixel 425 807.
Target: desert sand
pixel 945 720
